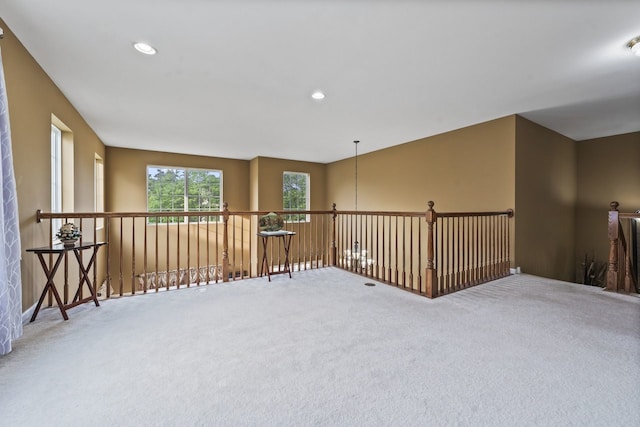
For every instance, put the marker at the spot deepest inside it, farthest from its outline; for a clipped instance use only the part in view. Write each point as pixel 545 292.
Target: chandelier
pixel 356 257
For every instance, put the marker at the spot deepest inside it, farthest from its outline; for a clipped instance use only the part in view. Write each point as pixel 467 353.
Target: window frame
pixel 98 189
pixel 307 217
pixel 56 174
pixel 186 218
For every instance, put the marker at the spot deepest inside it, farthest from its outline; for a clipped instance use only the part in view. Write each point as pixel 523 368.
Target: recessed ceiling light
pixel 634 45
pixel 317 95
pixel 145 48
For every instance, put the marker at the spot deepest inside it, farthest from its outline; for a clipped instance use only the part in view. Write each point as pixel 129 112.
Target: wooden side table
pixel 286 244
pixel 50 271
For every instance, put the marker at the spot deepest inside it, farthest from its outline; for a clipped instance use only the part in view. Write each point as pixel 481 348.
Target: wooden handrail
pixel 40 215
pixel 508 212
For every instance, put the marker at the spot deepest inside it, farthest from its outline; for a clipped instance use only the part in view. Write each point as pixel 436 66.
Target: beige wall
pixel 247 185
pixel 545 201
pixel 33 98
pixel 126 189
pixel 608 170
pixel 468 169
pixel 126 177
pixel 267 178
pixel 266 194
pixel 254 184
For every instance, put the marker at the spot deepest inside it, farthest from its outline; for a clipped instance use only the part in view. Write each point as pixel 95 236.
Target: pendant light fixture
pixel 356 258
pixel 356 244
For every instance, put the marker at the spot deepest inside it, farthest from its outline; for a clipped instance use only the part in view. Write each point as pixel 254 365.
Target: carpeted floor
pixel 322 349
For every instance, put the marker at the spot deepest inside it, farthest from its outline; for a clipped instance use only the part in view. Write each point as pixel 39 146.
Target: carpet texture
pixel 323 349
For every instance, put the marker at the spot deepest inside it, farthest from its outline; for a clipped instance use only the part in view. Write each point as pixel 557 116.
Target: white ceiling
pixel 234 78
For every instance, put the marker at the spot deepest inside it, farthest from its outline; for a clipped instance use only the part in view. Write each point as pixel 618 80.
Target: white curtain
pixel 10 281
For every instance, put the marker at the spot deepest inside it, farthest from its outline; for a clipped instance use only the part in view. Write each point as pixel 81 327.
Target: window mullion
pixel 163 187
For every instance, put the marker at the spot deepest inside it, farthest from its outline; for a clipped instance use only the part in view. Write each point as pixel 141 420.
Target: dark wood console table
pixel 286 243
pixel 51 269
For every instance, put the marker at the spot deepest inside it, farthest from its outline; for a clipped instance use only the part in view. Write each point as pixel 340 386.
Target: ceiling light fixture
pixel 145 48
pixel 634 45
pixel 355 143
pixel 317 95
pixel 356 245
pixel 356 257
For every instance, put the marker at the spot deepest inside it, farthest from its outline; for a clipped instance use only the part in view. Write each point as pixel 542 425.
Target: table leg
pixel 85 275
pixel 50 273
pixel 265 262
pixel 286 244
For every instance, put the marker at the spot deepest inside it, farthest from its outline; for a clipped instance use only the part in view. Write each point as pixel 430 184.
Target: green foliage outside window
pixel 183 190
pixel 295 195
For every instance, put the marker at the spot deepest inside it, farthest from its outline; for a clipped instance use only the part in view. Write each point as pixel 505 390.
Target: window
pixel 295 195
pixel 56 175
pixel 62 170
pixel 183 190
pixel 98 194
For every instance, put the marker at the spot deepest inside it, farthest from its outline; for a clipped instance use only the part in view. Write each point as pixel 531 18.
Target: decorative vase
pixel 68 234
pixel 69 242
pixel 271 222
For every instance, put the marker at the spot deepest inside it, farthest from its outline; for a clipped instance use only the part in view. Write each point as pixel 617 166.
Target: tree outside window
pixel 183 190
pixel 295 195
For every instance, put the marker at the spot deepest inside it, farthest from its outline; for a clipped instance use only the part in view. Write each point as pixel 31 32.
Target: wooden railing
pixel 162 250
pixel 446 253
pixel 622 269
pixel 427 253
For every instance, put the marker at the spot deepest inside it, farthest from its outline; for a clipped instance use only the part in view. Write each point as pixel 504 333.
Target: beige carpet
pixel 322 349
